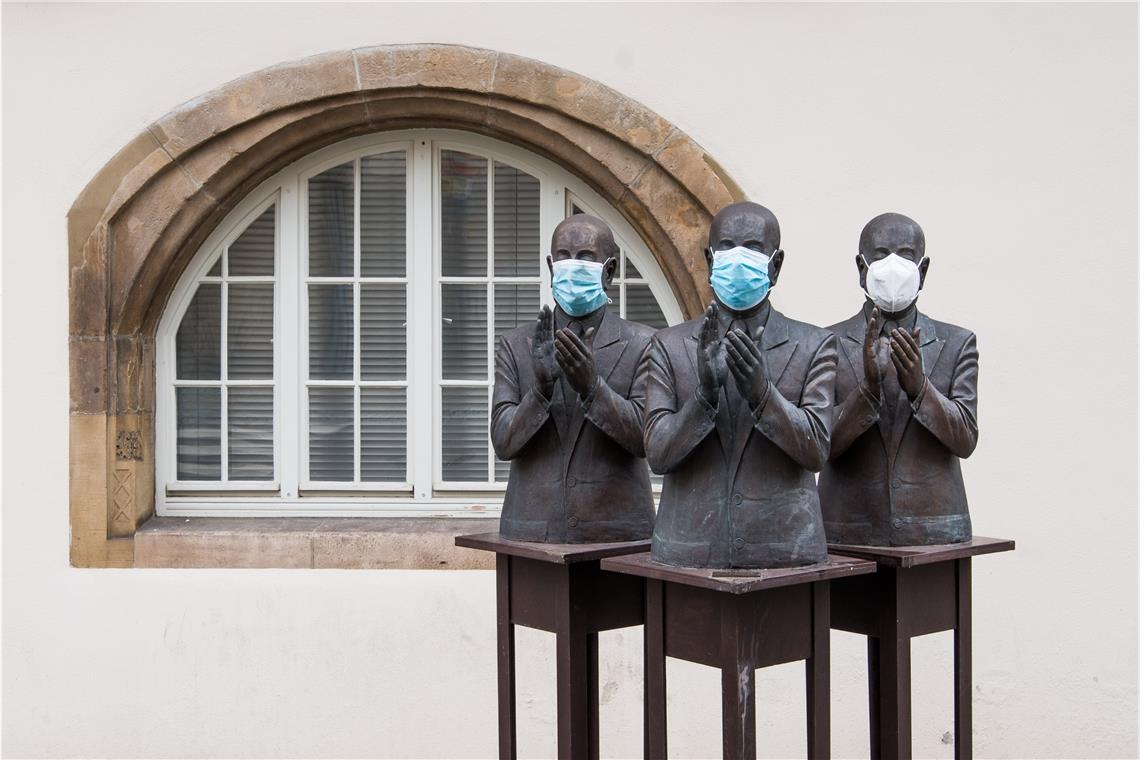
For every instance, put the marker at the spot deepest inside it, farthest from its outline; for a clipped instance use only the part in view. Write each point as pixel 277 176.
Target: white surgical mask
pixel 892 282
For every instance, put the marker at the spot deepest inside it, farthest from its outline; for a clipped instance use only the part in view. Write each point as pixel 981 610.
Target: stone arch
pixel 135 226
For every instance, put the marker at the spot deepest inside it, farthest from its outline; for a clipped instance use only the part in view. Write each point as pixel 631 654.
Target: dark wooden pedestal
pixel 560 588
pixel 738 621
pixel 917 590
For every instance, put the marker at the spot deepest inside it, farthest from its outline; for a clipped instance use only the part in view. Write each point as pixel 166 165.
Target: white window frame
pixel 289 494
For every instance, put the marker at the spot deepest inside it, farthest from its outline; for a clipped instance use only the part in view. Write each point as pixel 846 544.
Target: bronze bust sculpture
pixel 568 402
pixel 907 394
pixel 738 414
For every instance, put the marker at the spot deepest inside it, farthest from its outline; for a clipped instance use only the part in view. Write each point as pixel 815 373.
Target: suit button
pixel 572 522
pixel 737 499
pixel 868 420
pixel 571 481
pixel 739 543
pixel 897 523
pixel 896 483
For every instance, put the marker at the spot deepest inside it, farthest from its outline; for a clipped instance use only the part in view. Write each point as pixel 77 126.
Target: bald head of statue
pixel 587 238
pixel 892 233
pixel 747 225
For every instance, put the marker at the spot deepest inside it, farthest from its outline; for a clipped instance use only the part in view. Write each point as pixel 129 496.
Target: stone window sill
pixel 358 543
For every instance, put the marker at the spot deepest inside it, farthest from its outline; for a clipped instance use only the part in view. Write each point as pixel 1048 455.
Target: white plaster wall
pixel 1009 132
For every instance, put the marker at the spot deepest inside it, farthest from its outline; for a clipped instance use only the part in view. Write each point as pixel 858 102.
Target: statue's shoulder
pixel 518 336
pixel 844 327
pixel 951 333
pixel 675 335
pixel 804 332
pixel 636 332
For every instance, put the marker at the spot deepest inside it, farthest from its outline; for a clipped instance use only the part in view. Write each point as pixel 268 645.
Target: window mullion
pixel 292 330
pixel 551 211
pixel 223 412
pixel 356 421
pixel 423 322
pixel 490 307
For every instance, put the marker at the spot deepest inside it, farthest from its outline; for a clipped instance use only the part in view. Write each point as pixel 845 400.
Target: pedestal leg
pixel 592 692
pixel 894 695
pixel 818 671
pixel 655 725
pixel 506 658
pixel 873 693
pixel 573 666
pixel 963 666
pixel 738 685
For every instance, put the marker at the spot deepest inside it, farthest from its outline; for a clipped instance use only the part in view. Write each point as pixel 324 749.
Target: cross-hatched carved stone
pixel 123 495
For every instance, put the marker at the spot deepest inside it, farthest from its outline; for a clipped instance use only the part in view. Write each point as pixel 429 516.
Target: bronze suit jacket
pixel 906 489
pixel 753 503
pixel 578 472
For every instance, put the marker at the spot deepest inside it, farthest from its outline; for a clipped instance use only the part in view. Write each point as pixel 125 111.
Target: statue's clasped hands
pixel 747 365
pixel 575 356
pixel 556 352
pixel 738 353
pixel 907 358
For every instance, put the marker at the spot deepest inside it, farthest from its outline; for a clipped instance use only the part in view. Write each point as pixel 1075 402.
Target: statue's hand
pixel 576 358
pixel 746 362
pixel 711 368
pixel 907 358
pixel 542 353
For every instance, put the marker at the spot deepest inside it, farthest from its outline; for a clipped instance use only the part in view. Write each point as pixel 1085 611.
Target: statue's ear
pixel 774 266
pixel 861 265
pixel 550 265
pixel 709 260
pixel 922 267
pixel 609 270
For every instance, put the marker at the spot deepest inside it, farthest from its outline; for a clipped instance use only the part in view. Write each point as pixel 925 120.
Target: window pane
pixel 641 306
pixel 383 332
pixel 330 332
pixel 516 223
pixel 198 345
pixel 464 311
pixel 514 305
pixel 630 269
pixel 252 252
pixel 465 437
pixel 463 214
pixel 250 428
pixel 249 330
pixel 216 269
pixel 331 434
pixel 383 434
pixel 330 222
pixel 383 215
pixel 199 433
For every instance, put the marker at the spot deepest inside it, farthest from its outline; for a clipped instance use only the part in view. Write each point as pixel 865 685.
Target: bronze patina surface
pixel 567 413
pixel 738 417
pixel 906 414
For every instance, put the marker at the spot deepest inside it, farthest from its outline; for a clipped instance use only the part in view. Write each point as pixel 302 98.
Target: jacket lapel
pixel 931 347
pixel 778 350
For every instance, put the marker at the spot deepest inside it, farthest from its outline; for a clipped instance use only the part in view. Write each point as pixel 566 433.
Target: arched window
pixel 329 350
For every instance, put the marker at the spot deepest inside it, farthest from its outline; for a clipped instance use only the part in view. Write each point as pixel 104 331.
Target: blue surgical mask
pixel 577 286
pixel 740 277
